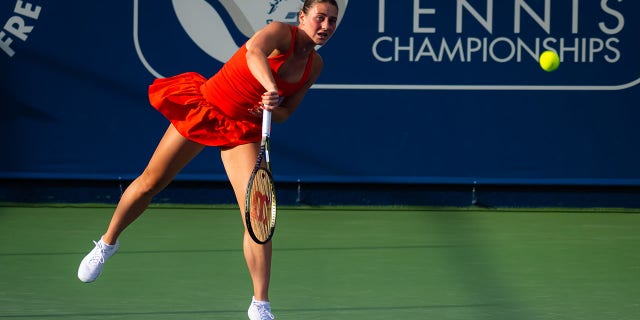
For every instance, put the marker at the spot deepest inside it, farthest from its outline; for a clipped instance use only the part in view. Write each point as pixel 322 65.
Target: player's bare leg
pixel 172 154
pixel 239 162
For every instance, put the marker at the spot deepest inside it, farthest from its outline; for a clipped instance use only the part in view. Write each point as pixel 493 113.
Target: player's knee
pixel 147 185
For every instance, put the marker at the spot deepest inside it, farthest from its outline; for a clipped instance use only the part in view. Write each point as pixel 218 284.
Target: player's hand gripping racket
pixel 260 204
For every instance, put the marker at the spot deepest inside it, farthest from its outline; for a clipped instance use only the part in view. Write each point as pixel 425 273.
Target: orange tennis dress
pixel 220 111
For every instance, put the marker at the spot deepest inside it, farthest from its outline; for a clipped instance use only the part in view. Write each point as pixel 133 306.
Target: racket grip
pixel 266 123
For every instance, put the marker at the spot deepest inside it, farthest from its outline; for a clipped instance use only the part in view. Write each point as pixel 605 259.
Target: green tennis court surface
pixel 329 263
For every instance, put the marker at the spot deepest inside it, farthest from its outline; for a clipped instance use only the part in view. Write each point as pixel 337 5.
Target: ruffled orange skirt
pixel 181 101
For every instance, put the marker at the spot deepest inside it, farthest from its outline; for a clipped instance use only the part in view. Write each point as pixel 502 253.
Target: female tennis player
pixel 272 71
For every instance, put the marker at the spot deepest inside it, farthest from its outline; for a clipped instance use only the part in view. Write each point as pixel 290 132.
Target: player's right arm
pixel 270 40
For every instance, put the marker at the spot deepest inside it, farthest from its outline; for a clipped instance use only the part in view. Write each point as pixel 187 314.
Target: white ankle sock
pixel 108 246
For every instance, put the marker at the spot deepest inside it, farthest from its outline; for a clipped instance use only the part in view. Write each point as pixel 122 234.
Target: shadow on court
pixel 337 263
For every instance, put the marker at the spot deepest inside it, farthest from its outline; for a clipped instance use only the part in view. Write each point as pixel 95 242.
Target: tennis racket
pixel 260 203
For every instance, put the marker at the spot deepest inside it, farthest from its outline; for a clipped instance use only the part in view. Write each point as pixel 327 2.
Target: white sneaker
pixel 259 310
pixel 91 265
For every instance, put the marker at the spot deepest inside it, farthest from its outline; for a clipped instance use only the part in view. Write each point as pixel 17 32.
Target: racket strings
pixel 261 205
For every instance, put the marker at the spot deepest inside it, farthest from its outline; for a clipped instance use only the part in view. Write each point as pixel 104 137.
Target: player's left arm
pixel 290 104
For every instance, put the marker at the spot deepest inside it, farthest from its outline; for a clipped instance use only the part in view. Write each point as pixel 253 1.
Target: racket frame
pixel 263 156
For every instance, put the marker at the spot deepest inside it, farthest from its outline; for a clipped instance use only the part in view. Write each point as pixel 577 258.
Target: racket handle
pixel 266 123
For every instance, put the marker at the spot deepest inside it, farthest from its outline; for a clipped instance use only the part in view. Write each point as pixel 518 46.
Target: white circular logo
pixel 206 27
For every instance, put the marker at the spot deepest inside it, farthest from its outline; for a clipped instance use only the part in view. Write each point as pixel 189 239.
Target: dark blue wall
pixel 435 92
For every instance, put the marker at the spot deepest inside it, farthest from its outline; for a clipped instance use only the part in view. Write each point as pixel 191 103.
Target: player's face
pixel 320 22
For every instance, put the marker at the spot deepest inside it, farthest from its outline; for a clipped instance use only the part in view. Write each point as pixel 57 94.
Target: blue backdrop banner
pixel 413 91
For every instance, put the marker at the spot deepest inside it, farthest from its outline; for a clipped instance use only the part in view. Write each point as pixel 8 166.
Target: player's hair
pixel 309 3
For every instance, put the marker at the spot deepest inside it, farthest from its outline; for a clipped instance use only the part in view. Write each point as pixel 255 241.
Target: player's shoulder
pixel 278 26
pixel 276 33
pixel 277 30
pixel 317 60
pixel 317 65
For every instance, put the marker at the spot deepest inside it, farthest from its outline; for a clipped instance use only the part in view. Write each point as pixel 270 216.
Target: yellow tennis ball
pixel 549 61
